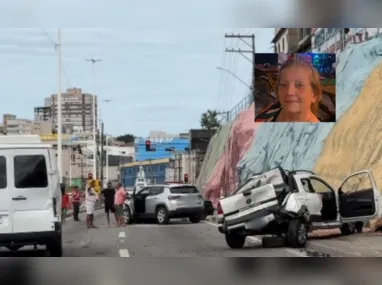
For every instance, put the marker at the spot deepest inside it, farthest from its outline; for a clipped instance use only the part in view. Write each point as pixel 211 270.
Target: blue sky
pixel 158 79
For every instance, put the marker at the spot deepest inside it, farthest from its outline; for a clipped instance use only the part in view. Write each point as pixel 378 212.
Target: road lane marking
pixel 122 235
pixel 255 239
pixel 124 253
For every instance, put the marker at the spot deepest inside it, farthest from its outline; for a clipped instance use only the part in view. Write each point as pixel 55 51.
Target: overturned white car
pixel 289 204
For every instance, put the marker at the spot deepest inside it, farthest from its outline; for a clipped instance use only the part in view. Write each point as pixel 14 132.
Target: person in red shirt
pixel 64 204
pixel 76 202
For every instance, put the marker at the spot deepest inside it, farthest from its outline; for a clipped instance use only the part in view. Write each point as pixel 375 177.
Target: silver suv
pixel 164 202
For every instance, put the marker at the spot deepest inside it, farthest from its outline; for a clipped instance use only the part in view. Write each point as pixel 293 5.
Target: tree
pixel 127 138
pixel 209 120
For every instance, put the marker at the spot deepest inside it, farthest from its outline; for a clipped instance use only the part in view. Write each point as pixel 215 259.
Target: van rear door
pixel 5 198
pixel 31 191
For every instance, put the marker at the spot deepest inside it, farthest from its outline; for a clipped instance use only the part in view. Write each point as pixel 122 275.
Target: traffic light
pixel 186 178
pixel 148 145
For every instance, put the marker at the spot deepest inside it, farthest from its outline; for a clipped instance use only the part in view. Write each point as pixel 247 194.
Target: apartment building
pixel 77 110
pixel 20 127
pixel 334 40
pixel 286 40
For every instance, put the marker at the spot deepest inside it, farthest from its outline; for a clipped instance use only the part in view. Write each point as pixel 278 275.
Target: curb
pixel 326 251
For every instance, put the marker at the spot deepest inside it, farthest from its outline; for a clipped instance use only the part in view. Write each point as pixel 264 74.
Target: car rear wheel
pixel 297 233
pixel 162 216
pixel 235 241
pixel 348 229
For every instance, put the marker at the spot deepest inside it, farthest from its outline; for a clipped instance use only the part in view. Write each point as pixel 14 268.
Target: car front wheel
pixel 235 241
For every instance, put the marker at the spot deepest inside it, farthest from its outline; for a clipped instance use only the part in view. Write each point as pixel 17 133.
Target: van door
pixel 359 197
pixel 31 191
pixel 5 198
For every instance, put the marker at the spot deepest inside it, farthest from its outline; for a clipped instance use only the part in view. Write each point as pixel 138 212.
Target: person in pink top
pixel 119 200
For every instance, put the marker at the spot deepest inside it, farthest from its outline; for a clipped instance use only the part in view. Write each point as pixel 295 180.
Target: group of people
pixel 113 199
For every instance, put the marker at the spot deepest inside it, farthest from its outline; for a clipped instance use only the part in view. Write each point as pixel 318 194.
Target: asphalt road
pixel 179 239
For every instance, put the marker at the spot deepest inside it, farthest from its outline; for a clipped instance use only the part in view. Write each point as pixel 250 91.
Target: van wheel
pixel 297 233
pixel 162 216
pixel 348 229
pixel 54 247
pixel 14 247
pixel 235 241
pixel 127 216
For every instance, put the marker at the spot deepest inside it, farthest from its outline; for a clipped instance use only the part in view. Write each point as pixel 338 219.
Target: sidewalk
pixel 330 242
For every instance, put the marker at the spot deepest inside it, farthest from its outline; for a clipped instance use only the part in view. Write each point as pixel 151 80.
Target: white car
pixel 290 204
pixel 30 195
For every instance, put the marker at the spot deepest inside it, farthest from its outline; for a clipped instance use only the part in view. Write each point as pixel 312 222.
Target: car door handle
pixel 19 198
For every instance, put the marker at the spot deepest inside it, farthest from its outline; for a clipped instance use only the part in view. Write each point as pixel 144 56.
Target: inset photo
pixel 298 87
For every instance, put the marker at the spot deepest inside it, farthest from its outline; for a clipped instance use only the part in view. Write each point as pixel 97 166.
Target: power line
pixel 55 46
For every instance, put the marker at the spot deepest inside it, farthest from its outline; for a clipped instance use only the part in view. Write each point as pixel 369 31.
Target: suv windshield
pixel 184 190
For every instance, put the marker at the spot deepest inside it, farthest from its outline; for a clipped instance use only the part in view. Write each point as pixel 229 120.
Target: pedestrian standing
pixel 119 200
pixel 76 202
pixel 64 203
pixel 90 202
pixel 108 196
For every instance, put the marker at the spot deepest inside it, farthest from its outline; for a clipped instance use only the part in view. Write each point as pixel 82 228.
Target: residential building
pixel 20 127
pixel 286 40
pixel 304 40
pixel 334 40
pixel 77 110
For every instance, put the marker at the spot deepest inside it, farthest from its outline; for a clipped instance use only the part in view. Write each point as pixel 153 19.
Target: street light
pixel 234 75
pixel 93 62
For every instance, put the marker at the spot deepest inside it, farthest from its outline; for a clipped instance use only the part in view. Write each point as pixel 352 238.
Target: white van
pixel 30 195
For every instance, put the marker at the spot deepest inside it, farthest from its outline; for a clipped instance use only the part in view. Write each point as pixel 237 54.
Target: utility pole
pixel 95 150
pixel 252 50
pixel 102 156
pixel 59 107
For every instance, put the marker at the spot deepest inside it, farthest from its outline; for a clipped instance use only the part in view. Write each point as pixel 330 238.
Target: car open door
pixel 359 197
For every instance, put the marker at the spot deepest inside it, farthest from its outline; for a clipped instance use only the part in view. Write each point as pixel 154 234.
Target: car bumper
pixel 186 212
pixel 22 239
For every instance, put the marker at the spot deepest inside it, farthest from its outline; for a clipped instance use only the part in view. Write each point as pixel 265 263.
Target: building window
pixel 283 45
pixel 30 171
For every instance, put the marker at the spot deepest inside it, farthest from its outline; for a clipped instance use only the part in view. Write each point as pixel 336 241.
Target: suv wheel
pixel 127 216
pixel 297 233
pixel 54 247
pixel 195 219
pixel 235 241
pixel 162 216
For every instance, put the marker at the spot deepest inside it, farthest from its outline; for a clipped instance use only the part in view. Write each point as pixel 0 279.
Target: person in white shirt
pixel 91 199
